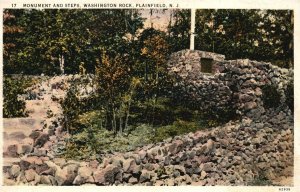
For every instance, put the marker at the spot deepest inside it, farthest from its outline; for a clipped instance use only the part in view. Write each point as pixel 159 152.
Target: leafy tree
pixel 60 40
pixel 11 43
pixel 179 30
pixel 255 34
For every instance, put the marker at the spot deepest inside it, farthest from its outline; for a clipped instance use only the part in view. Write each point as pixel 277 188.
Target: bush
pixel 71 109
pixel 12 106
pixel 217 116
pixel 14 85
pixel 177 128
pixel 270 96
pixel 260 180
pixel 289 93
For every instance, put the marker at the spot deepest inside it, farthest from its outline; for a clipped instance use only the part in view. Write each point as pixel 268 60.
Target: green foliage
pixel 177 128
pixel 161 171
pixel 59 40
pixel 265 35
pixel 12 106
pixel 179 31
pixel 93 139
pixel 13 87
pixel 217 116
pixel 289 93
pixel 260 180
pixel 71 108
pixel 270 96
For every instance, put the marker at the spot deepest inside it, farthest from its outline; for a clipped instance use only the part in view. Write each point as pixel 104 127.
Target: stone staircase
pixel 18 140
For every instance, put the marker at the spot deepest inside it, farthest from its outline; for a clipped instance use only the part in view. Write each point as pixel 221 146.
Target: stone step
pixel 10 161
pixel 16 133
pixel 17 126
pixel 14 148
pixel 37 108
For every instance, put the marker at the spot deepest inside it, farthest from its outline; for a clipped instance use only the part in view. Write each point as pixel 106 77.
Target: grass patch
pixel 92 139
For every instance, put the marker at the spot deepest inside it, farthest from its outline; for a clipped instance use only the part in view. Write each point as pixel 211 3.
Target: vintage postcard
pixel 120 95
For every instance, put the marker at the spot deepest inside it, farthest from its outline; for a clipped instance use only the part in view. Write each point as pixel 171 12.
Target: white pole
pixel 193 16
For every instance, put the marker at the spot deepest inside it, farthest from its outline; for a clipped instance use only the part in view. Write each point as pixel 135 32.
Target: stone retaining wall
pixel 236 82
pixel 234 154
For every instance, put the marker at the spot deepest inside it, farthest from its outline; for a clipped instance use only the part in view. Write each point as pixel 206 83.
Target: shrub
pixel 14 85
pixel 289 93
pixel 260 180
pixel 216 116
pixel 12 106
pixel 270 96
pixel 177 128
pixel 71 108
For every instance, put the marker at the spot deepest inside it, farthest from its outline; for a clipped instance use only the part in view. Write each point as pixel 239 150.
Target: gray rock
pixel 93 164
pixel 180 168
pixel 15 171
pixel 41 140
pixel 167 160
pixel 129 165
pixel 107 175
pixel 35 134
pixel 30 175
pixel 12 150
pixel 176 173
pixel 145 176
pixel 175 147
pixel 59 161
pixel 133 180
pixel 159 183
pixel 85 172
pixel 210 146
pixel 207 167
pixel 66 175
pixel 203 175
pixel 24 149
pixel 47 180
pixel 170 182
pixel 250 105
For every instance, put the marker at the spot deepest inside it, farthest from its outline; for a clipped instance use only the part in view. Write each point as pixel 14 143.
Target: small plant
pixel 260 180
pixel 270 96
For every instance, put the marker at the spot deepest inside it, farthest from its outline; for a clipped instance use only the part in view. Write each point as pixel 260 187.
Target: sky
pixel 160 18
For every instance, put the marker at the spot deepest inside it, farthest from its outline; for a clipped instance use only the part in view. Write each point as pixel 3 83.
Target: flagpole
pixel 192 40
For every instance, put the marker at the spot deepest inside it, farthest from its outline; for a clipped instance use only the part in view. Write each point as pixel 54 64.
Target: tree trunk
pixel 120 127
pixel 62 63
pixel 127 115
pixel 120 119
pixel 114 120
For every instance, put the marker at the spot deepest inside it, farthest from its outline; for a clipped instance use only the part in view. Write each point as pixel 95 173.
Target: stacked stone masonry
pixel 236 153
pixel 235 82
